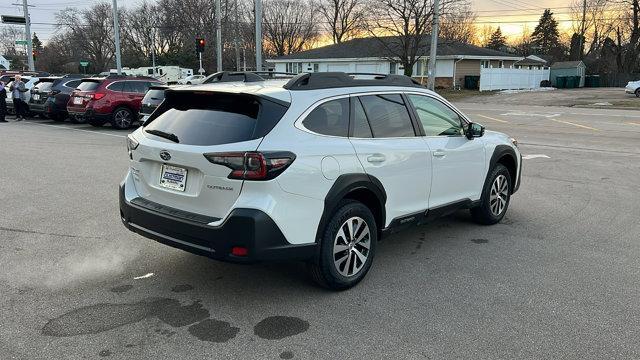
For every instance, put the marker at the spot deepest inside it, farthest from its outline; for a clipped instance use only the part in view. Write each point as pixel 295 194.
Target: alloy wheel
pixel 123 119
pixel 351 246
pixel 499 195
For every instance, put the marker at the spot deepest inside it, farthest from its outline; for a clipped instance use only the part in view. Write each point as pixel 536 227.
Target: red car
pixel 115 99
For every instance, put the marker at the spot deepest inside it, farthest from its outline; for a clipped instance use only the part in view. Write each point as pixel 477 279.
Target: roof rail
pixel 328 80
pixel 228 76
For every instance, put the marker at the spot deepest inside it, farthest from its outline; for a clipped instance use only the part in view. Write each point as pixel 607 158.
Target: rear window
pixel 215 118
pixel 73 84
pixel 44 86
pixel 154 94
pixel 88 85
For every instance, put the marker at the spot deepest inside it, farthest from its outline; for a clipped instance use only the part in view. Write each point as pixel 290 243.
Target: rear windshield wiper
pixel 162 134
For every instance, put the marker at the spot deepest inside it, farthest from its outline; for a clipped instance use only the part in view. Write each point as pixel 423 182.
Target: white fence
pixel 511 79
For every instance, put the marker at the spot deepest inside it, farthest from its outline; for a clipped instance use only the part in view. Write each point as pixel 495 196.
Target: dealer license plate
pixel 36 97
pixel 77 100
pixel 173 177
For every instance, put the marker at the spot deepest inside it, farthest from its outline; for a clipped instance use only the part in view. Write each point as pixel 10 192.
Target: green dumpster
pixel 472 82
pixel 577 80
pixel 595 81
pixel 561 82
pixel 571 82
pixel 588 81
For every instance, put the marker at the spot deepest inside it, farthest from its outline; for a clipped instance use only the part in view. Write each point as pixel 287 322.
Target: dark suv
pixel 114 99
pixel 50 95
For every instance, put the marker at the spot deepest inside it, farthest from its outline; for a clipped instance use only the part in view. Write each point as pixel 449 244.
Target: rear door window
pixel 116 86
pixel 388 115
pixel 88 85
pixel 215 118
pixel 361 128
pixel 330 118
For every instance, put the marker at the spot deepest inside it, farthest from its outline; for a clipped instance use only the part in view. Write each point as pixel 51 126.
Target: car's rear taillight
pixel 98 96
pixel 253 165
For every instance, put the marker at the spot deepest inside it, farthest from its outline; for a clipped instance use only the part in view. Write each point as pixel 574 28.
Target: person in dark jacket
pixel 3 102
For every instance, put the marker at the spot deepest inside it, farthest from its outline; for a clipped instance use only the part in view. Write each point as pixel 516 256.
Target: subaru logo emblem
pixel 164 155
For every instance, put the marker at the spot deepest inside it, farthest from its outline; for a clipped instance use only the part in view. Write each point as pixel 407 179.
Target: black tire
pixel 638 92
pixel 57 117
pixel 78 119
pixel 489 211
pixel 122 118
pixel 188 82
pixel 324 270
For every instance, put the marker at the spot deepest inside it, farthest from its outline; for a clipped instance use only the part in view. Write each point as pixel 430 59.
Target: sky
pixel 510 15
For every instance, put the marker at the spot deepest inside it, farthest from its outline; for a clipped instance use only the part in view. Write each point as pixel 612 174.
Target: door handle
pixel 376 158
pixel 439 153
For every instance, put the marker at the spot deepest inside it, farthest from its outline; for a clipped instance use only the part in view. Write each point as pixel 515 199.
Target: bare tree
pixel 459 26
pixel 289 26
pixel 401 26
pixel 345 18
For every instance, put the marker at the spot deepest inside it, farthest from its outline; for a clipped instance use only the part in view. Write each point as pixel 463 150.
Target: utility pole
pixel 237 40
pixel 153 51
pixel 116 30
pixel 582 31
pixel 431 81
pixel 258 14
pixel 218 37
pixel 27 30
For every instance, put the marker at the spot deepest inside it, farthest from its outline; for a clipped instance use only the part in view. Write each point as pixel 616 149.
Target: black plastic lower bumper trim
pixel 251 229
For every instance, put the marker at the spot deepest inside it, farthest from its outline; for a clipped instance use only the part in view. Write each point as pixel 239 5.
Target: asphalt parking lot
pixel 558 278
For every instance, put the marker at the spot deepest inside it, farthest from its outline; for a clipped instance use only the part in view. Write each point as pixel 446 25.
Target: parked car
pixel 316 169
pixel 192 80
pixel 115 99
pixel 633 87
pixel 152 99
pixel 50 95
pixel 29 82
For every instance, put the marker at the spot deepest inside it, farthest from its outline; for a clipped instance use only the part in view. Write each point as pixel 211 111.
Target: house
pixel 370 55
pixel 568 68
pixel 531 62
pixel 4 63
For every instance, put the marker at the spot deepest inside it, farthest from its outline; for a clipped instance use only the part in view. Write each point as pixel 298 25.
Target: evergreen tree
pixel 497 41
pixel 545 37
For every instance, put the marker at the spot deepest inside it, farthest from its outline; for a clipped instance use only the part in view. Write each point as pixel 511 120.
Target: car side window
pixel 437 119
pixel 361 128
pixel 388 116
pixel 329 118
pixel 116 86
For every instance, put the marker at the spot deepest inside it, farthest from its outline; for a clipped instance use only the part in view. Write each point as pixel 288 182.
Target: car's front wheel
pixel 122 118
pixel 495 197
pixel 638 92
pixel 347 247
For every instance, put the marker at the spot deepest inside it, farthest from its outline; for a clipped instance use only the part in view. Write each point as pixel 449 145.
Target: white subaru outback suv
pixel 316 168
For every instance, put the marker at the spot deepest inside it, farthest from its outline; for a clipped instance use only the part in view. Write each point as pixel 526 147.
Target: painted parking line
pixel 574 124
pixel 535 156
pixel 633 123
pixel 565 113
pixel 493 119
pixel 74 129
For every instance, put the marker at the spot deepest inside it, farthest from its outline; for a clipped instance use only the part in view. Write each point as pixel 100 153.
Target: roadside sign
pixel 21 42
pixel 9 19
pixel 84 63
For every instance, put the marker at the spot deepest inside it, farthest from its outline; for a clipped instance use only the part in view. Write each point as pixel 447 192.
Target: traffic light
pixel 35 55
pixel 200 45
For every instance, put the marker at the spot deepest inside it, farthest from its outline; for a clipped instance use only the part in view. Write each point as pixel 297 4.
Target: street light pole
pixel 258 13
pixel 153 51
pixel 116 30
pixel 27 30
pixel 218 37
pixel 431 80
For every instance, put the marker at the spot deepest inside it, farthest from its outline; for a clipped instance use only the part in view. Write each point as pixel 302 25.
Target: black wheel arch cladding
pixel 360 184
pixel 505 155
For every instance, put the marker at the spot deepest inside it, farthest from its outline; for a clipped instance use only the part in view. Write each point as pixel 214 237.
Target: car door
pixel 134 92
pixel 384 138
pixel 458 164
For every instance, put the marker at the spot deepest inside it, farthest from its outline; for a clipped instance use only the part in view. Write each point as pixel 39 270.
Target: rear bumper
pixel 37 108
pixel 88 114
pixel 248 228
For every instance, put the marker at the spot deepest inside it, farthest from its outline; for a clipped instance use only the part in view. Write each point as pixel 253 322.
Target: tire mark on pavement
pixel 2 228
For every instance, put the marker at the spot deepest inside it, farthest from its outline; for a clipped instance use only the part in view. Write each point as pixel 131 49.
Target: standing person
pixel 17 94
pixel 3 102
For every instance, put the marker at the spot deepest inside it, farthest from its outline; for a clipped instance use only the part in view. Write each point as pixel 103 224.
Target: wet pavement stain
pixel 181 288
pixel 98 318
pixel 286 355
pixel 280 327
pixel 104 353
pixel 214 331
pixel 121 289
pixel 480 241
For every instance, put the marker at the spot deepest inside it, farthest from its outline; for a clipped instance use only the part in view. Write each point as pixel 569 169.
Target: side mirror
pixel 474 130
